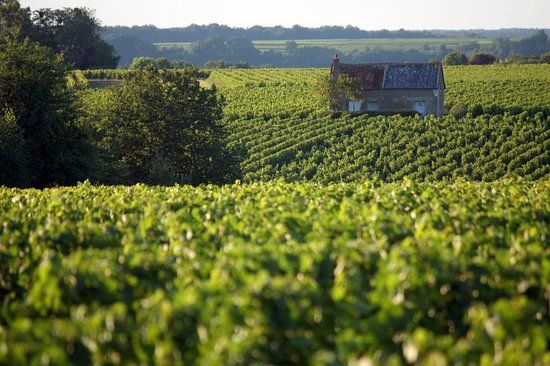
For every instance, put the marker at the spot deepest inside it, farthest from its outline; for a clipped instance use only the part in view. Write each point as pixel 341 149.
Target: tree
pixel 502 47
pixel 14 158
pixel 212 48
pixel 144 62
pixel 161 127
pixel 291 47
pixel 75 33
pixel 35 96
pixel 217 64
pixel 338 90
pixel 128 48
pixel 482 59
pixel 455 58
pixel 545 58
pixel 15 20
pixel 534 45
pixel 239 49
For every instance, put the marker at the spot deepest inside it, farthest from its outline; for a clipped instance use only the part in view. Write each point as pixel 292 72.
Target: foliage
pixel 14 157
pixel 230 50
pixel 499 88
pixel 33 88
pixel 128 48
pixel 144 62
pixel 534 45
pixel 531 46
pixel 217 64
pixel 482 59
pixel 545 58
pixel 458 111
pixel 338 91
pixel 357 148
pixel 102 74
pixel 275 273
pixel 77 80
pixel 306 47
pixel 15 20
pixel 288 133
pixel 74 32
pixel 455 58
pixel 160 122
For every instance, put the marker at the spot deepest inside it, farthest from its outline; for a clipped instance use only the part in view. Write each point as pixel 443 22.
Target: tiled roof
pixel 372 75
pixel 395 76
pixel 412 76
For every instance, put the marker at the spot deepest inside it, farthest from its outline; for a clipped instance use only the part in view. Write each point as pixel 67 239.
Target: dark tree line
pixel 192 33
pixel 236 51
pixel 534 45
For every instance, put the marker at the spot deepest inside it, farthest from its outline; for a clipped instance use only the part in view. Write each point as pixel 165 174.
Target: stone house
pixel 396 87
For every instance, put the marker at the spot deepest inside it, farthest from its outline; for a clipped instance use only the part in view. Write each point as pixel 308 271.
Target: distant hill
pixel 313 47
pixel 192 33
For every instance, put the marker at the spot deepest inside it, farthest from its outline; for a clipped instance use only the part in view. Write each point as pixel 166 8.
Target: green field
pixel 288 132
pixel 349 239
pixel 275 273
pixel 349 45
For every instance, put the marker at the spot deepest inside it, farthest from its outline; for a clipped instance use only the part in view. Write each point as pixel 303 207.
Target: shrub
pixel 482 59
pixel 459 111
pixel 455 58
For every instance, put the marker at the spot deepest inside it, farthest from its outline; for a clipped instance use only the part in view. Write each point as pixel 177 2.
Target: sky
pixel 365 14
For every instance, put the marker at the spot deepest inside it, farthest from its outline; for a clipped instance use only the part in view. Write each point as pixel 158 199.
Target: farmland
pixel 349 239
pixel 276 273
pixel 349 45
pixel 278 117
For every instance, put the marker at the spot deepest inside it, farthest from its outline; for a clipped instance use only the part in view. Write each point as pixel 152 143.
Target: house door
pixel 354 106
pixel 420 108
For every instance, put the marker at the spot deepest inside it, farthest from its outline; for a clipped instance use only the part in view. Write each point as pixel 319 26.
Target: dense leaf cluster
pixel 159 127
pixel 276 274
pixel 73 32
pixel 40 143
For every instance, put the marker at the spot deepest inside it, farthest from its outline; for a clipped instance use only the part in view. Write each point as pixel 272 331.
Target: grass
pixel 349 45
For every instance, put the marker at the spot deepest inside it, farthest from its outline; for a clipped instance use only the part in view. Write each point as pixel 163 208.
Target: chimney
pixel 335 68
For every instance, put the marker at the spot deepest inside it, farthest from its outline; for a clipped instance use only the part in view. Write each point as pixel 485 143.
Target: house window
pixel 373 106
pixel 354 106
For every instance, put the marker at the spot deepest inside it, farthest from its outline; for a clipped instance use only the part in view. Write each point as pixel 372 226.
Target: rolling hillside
pixel 288 133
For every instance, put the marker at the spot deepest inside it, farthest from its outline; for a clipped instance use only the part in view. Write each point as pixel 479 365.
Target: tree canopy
pixel 161 127
pixel 482 59
pixel 455 58
pixel 73 32
pixel 338 90
pixel 38 114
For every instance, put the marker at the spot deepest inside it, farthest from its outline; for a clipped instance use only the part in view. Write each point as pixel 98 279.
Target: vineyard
pixel 277 273
pixel 288 133
pixel 350 239
pixel 349 45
